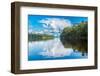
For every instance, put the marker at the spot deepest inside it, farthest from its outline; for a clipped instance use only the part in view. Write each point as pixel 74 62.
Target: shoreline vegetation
pixel 38 37
pixel 75 32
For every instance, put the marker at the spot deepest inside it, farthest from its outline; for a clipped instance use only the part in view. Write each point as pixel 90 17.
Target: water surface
pixel 55 49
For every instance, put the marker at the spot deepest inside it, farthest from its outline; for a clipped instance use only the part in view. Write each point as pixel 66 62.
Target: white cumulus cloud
pixel 55 23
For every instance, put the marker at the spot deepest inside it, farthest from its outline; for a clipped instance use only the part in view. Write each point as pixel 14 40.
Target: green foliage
pixel 37 37
pixel 78 31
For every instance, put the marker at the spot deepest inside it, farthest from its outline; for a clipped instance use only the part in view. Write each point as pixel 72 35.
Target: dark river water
pixel 56 49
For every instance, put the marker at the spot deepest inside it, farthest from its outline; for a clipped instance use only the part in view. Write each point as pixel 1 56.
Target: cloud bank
pixel 55 23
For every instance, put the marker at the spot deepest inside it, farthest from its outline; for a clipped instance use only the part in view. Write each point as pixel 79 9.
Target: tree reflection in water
pixel 76 44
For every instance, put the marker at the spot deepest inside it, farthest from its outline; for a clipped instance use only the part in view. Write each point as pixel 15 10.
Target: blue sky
pixel 35 22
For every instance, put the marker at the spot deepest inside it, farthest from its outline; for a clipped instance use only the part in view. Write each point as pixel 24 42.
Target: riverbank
pixel 38 37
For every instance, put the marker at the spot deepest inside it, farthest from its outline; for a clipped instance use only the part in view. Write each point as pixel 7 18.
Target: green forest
pixel 78 31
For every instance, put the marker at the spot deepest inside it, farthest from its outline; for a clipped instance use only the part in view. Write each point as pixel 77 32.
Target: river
pixel 52 50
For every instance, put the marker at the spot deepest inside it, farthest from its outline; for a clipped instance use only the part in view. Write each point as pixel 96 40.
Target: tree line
pixel 35 37
pixel 79 31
